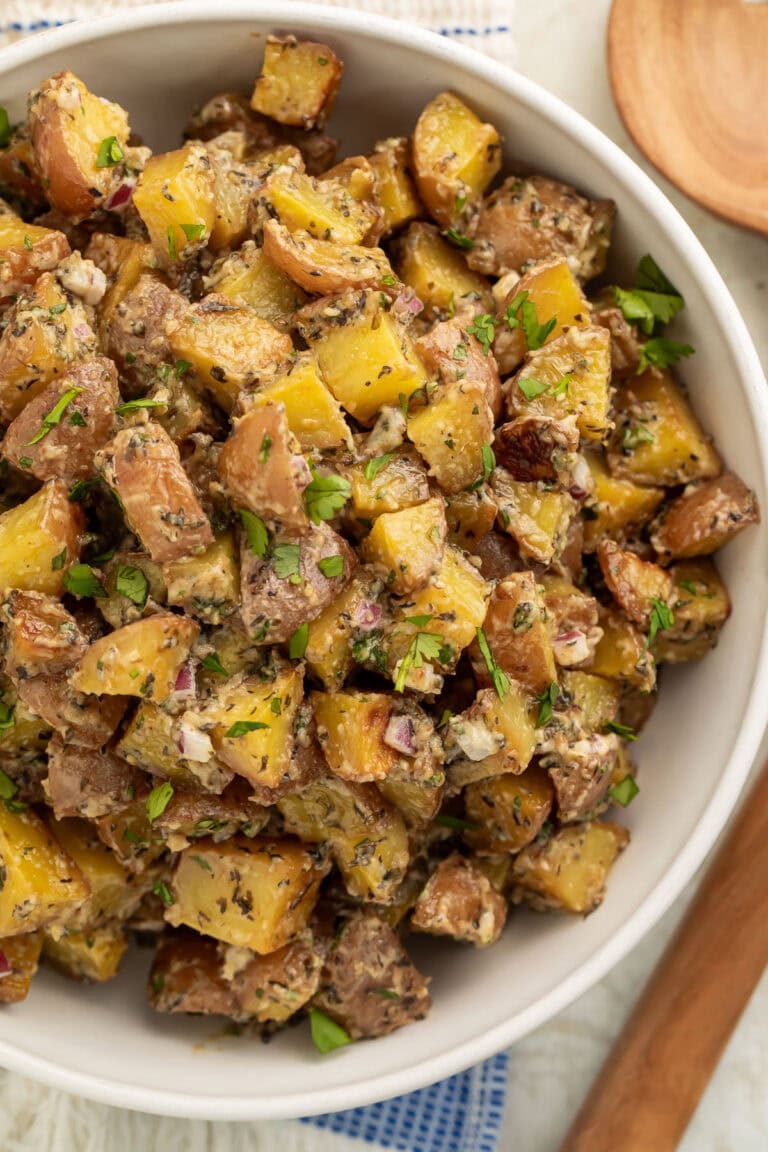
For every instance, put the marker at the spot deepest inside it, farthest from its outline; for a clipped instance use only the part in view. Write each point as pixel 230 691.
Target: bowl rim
pixel 364 1090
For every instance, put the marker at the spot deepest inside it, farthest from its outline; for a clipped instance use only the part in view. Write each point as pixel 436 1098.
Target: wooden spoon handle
pixel 661 1063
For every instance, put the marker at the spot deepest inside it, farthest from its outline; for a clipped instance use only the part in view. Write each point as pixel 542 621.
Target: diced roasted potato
pixel 701 608
pixel 38 538
pixel 534 515
pixel 453 433
pixel 581 771
pixel 114 893
pixel 366 834
pixel 493 736
pixel 330 636
pixel 625 337
pixel 87 782
pixel 82 720
pixel 294 584
pixel 322 267
pixel 554 292
pixel 142 466
pixel 418 800
pixel 92 955
pixel 572 617
pixel 206 586
pixel 517 635
pixel 704 518
pixel 408 546
pixel 455 600
pixel 190 815
pixel 576 371
pixel 364 739
pixel 40 635
pixel 470 516
pixel 622 653
pixel 45 335
pixel 249 278
pixel 263 471
pixel 453 353
pixel 132 837
pixel 455 156
pixel 187 976
pixel 398 480
pixel 135 324
pixel 568 870
pixel 69 127
pixel 41 883
pixel 507 812
pixel 395 190
pixel 142 659
pixel 17 169
pixel 176 200
pixel 596 698
pixel 256 894
pixel 270 989
pixel 235 181
pixel 57 432
pixel 533 448
pixel 459 901
pixel 19 956
pixel 635 584
pixel 658 439
pixel 298 81
pixel 312 413
pixel 616 506
pixel 365 357
pixel 157 742
pixel 26 250
pixel 530 219
pixel 438 273
pixel 368 983
pixel 326 209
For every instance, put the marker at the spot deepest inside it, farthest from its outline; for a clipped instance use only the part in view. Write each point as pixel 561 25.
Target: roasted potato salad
pixel 345 529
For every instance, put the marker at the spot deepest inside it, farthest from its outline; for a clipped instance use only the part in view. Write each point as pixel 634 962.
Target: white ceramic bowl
pixel 104 1042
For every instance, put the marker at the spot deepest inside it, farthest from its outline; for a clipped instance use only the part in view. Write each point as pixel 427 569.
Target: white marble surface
pixel 561 45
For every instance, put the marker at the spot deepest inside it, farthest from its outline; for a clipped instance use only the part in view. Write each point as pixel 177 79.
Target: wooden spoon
pixel 690 79
pixel 661 1063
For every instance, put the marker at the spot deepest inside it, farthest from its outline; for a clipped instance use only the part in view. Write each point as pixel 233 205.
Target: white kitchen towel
pixel 462 1114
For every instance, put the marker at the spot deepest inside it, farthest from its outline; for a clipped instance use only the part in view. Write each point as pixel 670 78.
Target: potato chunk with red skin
pixel 298 82
pixel 321 266
pixel 20 955
pixel 704 518
pixel 88 782
pixel 452 353
pixel 517 634
pixel 82 719
pixel 273 607
pixel 135 332
pixel 537 447
pixel 567 872
pixel 66 450
pixel 40 635
pixel 368 983
pixel 26 250
pixel 186 976
pixel 459 901
pixel 143 468
pixel 535 218
pixel 634 583
pixel 68 124
pixel 141 659
pixel 262 468
pixel 581 772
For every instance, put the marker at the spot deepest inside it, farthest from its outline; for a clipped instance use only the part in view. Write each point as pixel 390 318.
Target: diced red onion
pixel 301 473
pixel 82 331
pixel 407 305
pixel 577 493
pixel 571 648
pixel 120 198
pixel 367 615
pixel 194 744
pixel 6 967
pixel 401 735
pixel 184 688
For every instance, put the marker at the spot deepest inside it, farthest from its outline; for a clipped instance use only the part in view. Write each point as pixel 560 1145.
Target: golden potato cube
pixel 207 585
pixel 616 506
pixel 438 273
pixel 451 431
pixel 325 209
pixel 261 753
pixel 298 82
pixel 569 870
pixel 397 481
pixel 93 954
pixel 582 358
pixel 633 582
pixel 658 439
pixel 41 883
pixel 455 598
pixel 704 518
pixel 150 741
pixel 228 347
pixel 142 659
pixel 68 126
pixel 470 517
pixel 622 653
pixel 329 640
pixel 701 609
pixel 44 529
pixel 417 800
pixel 508 811
pixel 555 293
pixel 408 545
pixel 366 835
pixel 365 358
pixel 256 894
pixel 516 631
pixel 395 190
pixel 114 896
pixel 123 261
pixel 27 737
pixel 249 277
pixel 493 736
pixel 135 841
pixel 314 415
pixel 455 156
pixel 175 198
pixel 596 698
pixel 350 730
pixel 535 516
pixel 26 250
pixel 459 901
pixel 235 181
pixel 21 954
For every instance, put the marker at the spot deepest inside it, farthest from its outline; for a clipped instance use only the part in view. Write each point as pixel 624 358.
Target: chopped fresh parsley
pixel 389 281
pixel 110 153
pixel 202 863
pixel 133 584
pixel 286 561
pixel 297 643
pixel 193 231
pixel 327 1035
pixel 8 788
pixel 241 727
pixel 78 420
pixel 276 705
pixel 531 388
pixel 59 561
pixel 521 313
pixel 661 619
pixel 653 301
pixel 424 646
pixel 158 800
pixel 498 677
pixel 456 823
pixel 161 889
pixel 483 328
pixel 625 791
pixel 622 730
pixel 562 386
pixel 81 580
pixel 374 466
pixel 136 405
pixel 546 701
pixel 331 566
pixel 5 128
pixel 28 243
pixel 52 418
pixel 25 462
pixel 458 239
pixel 325 496
pixel 489 463
pixel 634 435
pixel 171 243
pixel 661 353
pixel 265 449
pixel 80 490
pixel 180 367
pixel 255 532
pixel 212 663
pixel 419 621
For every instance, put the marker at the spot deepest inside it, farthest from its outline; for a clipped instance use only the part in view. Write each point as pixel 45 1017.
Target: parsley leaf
pixel 651 278
pixel 241 727
pixel 8 788
pixel 546 701
pixel 521 313
pixel 60 560
pixel 622 730
pixel 161 889
pixel 110 153
pixel 483 328
pixel 634 435
pixel 374 466
pixel 498 677
pixel 180 367
pixel 212 663
pixel 158 800
pixel 265 449
pixel 52 418
pixel 255 532
pixel 424 646
pixel 660 353
pixel 331 566
pixel 5 128
pixel 135 405
pixel 327 1035
pixel 286 560
pixel 325 496
pixel 456 823
pixel 297 643
pixel 133 584
pixel 625 791
pixel 531 388
pixel 458 238
pixel 81 580
pixel 653 301
pixel 661 619
pixel 193 231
